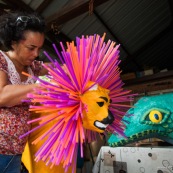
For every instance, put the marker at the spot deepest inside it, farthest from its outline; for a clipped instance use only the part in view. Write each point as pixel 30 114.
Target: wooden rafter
pixel 43 6
pixel 18 4
pixel 69 12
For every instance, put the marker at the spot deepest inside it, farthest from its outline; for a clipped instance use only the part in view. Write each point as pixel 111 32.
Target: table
pixel 134 160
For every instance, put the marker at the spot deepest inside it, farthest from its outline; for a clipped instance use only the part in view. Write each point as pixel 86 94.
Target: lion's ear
pixel 94 87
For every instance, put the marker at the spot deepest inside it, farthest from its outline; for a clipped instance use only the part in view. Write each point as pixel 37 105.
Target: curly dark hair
pixel 14 24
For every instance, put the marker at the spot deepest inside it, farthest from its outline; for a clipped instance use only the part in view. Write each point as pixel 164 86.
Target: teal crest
pixel 151 116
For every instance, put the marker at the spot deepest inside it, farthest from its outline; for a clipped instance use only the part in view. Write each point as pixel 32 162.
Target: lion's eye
pixel 100 103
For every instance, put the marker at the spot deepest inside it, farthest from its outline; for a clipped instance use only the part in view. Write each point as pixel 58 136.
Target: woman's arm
pixel 11 95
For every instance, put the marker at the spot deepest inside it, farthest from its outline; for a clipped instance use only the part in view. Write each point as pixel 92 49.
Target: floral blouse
pixel 13 120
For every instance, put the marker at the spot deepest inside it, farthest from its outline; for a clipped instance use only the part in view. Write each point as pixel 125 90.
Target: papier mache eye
pixel 100 103
pixel 155 116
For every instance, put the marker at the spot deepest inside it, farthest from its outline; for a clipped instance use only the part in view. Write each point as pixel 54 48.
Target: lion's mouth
pixel 105 122
pixel 100 125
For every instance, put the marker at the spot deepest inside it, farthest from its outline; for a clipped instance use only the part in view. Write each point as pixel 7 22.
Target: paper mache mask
pixel 96 115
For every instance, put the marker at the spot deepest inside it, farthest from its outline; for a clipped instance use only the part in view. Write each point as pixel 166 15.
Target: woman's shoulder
pixel 3 62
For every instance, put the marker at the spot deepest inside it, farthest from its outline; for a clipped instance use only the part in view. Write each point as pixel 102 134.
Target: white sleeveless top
pixel 14 76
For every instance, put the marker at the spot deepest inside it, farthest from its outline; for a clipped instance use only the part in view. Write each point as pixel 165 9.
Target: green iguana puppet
pixel 152 116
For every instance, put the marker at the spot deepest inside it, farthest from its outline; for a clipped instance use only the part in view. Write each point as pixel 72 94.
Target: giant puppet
pixel 82 97
pixel 152 118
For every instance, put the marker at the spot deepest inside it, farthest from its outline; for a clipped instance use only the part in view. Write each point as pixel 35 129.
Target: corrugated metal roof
pixel 134 24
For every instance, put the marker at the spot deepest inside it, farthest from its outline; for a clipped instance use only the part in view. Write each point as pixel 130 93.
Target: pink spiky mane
pixel 91 59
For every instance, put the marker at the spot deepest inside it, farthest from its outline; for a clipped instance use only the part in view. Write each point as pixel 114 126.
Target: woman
pixel 21 36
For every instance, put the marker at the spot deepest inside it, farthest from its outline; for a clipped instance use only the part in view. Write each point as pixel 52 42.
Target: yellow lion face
pixel 96 114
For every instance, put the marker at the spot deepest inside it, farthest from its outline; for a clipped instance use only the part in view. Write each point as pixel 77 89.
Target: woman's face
pixel 28 49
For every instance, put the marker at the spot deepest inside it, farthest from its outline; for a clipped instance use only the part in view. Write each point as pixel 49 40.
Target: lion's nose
pixel 109 119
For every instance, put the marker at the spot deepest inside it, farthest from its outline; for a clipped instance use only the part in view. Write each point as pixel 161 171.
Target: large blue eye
pixel 155 116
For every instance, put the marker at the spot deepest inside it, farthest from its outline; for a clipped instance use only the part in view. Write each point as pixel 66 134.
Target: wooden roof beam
pixel 43 6
pixel 18 4
pixel 69 12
